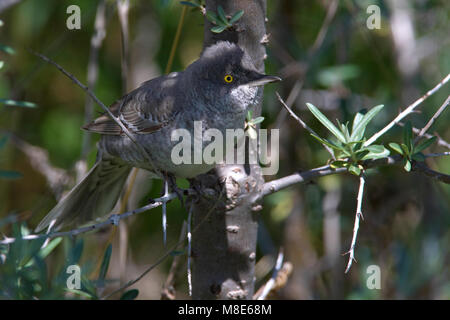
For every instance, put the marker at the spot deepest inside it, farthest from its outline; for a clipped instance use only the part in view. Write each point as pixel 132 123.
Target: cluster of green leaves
pixel 250 124
pixel 410 150
pixel 221 21
pixel 23 269
pixel 349 149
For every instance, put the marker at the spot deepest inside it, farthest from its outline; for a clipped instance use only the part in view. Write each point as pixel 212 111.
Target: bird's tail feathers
pixel 92 198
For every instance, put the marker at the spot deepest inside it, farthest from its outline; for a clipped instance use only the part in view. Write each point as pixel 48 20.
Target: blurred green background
pixel 406 230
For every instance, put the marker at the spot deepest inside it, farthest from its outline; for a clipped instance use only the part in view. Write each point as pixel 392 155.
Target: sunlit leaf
pixel 375 152
pixel 407 165
pixel 396 147
pixel 359 129
pixel 24 104
pixel 327 123
pixel 218 29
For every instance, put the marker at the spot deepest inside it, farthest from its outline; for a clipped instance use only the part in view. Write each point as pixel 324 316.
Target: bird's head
pixel 229 73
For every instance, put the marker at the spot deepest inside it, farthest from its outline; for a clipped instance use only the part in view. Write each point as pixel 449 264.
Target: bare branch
pixel 270 284
pixel 358 215
pixel 433 118
pixel 101 104
pixel 303 124
pixel 406 112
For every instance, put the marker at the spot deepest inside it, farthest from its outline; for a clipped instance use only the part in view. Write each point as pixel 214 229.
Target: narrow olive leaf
pixel 327 123
pixel 376 152
pixel 356 120
pixel 44 252
pixel 24 104
pixel 105 263
pixel 130 294
pixel 249 115
pixel 424 145
pixel 7 49
pixel 218 29
pixel 10 174
pixel 191 4
pixel 406 152
pixel 328 143
pixel 354 169
pixel 358 131
pixel 236 16
pixel 2 63
pixel 407 135
pixel 257 120
pixel 396 147
pixel 407 165
pixel 211 16
pixel 222 15
pixel 418 157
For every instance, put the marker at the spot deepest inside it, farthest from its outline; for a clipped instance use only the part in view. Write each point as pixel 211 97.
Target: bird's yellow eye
pixel 228 78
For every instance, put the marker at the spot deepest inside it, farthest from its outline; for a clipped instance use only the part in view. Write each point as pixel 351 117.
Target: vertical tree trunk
pixel 224 245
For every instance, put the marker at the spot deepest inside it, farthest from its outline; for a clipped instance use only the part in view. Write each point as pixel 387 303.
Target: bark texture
pixel 224 244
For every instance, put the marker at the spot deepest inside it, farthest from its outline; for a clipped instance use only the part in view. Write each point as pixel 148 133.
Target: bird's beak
pixel 262 79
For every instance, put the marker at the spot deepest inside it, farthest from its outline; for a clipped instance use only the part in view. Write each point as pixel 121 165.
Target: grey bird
pixel 217 90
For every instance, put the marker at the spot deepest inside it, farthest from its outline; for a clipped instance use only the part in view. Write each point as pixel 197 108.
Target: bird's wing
pixel 144 110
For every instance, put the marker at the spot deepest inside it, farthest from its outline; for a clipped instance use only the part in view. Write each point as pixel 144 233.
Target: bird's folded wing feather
pixel 144 110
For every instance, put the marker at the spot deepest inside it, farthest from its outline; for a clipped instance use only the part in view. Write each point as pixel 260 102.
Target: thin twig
pixel 270 284
pixel 406 112
pixel 112 220
pixel 358 215
pixel 440 142
pixel 303 124
pixel 431 121
pixel 105 108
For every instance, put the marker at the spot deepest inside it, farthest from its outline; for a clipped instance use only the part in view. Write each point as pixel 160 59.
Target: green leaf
pixel 191 4
pixel 236 16
pixel 375 152
pixel 44 252
pixel 257 120
pixel 354 169
pixel 338 164
pixel 105 264
pixel 359 129
pixel 222 15
pixel 407 136
pixel 328 143
pixel 407 165
pixel 249 115
pixel 211 16
pixel 2 63
pixel 7 49
pixel 356 120
pixel 10 174
pixel 130 295
pixel 418 157
pixel 24 104
pixel 218 29
pixel 396 147
pixel 406 151
pixel 327 123
pixel 424 145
